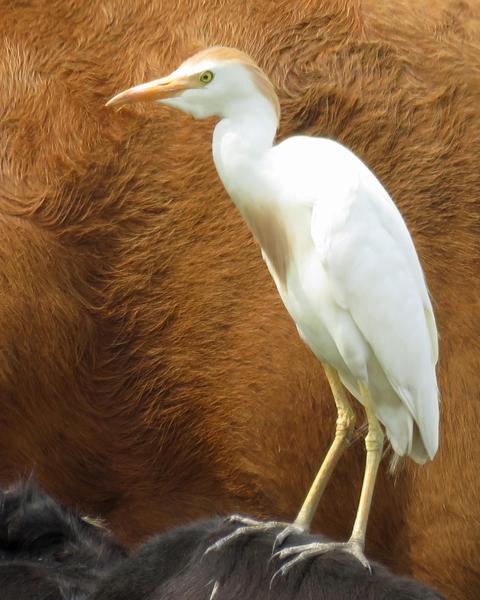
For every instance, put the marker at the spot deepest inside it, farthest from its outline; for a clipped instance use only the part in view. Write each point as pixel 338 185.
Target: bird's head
pixel 214 82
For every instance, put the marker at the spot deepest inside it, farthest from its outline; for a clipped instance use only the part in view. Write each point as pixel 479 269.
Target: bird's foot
pixel 287 532
pixel 298 554
pixel 249 527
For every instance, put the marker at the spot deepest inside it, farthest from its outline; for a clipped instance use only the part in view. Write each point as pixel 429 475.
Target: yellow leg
pixel 374 447
pixel 356 543
pixel 345 424
pixel 344 428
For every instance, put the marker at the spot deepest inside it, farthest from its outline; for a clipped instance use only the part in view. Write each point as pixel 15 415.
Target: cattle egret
pixel 342 260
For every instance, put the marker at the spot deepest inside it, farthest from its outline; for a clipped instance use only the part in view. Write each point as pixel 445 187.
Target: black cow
pixel 48 552
pixel 173 566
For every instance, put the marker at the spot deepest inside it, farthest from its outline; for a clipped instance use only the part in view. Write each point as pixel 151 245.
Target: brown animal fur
pixel 148 370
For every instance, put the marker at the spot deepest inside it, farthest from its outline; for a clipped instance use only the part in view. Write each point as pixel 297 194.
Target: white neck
pixel 240 140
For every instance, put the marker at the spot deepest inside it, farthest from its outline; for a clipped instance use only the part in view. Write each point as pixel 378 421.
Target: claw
pixel 286 533
pixel 302 552
pixel 357 551
pixel 242 519
pixel 274 576
pixel 251 527
pixel 216 587
pixel 228 539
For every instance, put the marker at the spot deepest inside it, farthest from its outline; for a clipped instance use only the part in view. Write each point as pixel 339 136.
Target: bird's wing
pixel 394 224
pixel 375 275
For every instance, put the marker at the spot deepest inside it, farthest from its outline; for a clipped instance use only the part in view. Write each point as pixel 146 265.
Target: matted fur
pixel 148 370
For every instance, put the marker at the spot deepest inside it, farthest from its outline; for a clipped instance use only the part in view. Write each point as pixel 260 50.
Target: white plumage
pixel 379 315
pixel 341 257
pixel 354 285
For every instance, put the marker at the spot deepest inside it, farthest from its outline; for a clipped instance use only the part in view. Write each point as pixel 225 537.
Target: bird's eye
pixel 206 77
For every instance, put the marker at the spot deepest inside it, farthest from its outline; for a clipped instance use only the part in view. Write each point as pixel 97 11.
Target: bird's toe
pixel 297 554
pixel 250 527
pixel 286 533
pixel 356 550
pixel 234 519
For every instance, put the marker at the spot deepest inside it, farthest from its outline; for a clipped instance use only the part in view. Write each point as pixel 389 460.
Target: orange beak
pixel 167 87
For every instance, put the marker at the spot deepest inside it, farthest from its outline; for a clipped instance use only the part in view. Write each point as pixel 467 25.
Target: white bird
pixel 342 260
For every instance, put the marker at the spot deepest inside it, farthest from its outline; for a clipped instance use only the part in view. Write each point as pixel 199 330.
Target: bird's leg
pixel 356 543
pixel 343 431
pixel 345 424
pixel 344 427
pixel 374 446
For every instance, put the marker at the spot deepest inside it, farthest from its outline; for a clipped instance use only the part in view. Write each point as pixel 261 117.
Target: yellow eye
pixel 206 77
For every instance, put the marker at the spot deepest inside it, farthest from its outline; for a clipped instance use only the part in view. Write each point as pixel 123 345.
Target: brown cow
pixel 148 370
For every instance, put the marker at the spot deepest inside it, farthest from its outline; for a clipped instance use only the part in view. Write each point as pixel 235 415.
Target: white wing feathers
pixel 375 275
pixel 393 222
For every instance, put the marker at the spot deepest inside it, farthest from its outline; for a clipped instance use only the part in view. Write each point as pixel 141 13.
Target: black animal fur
pixel 173 566
pixel 48 552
